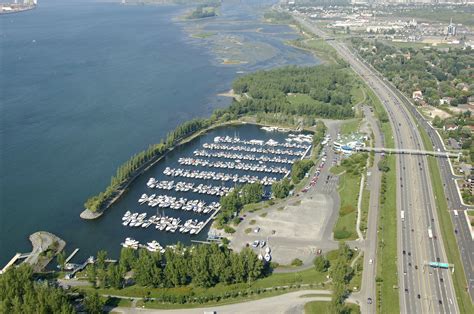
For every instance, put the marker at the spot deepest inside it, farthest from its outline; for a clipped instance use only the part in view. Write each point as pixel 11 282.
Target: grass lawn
pixel 345 228
pixel 364 209
pixel 299 99
pixel 322 307
pixel 309 276
pixel 356 281
pixel 350 126
pixel 387 295
pixel 321 48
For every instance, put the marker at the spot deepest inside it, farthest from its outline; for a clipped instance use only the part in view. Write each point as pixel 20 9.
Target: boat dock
pixel 306 152
pixel 71 256
pixel 208 219
pixel 14 259
pixel 90 260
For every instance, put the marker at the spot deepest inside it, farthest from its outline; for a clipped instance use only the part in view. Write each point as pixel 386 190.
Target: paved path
pixel 286 303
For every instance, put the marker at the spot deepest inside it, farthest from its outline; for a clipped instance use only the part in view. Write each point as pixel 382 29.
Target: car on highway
pixel 371 261
pixel 369 300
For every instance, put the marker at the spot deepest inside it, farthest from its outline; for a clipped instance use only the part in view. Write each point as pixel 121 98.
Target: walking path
pixel 292 302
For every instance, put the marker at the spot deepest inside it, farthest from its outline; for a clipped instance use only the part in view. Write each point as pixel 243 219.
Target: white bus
pixel 402 215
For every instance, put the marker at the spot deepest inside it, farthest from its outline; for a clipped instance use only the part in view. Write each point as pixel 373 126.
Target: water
pixel 84 85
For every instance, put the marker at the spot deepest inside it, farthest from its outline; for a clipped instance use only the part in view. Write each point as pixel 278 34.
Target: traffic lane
pixel 414 142
pixel 437 253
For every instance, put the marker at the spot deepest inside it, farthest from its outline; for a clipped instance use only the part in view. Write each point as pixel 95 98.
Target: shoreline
pixel 90 215
pixel 87 214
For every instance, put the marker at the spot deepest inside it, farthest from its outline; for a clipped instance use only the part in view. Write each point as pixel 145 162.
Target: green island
pixel 205 10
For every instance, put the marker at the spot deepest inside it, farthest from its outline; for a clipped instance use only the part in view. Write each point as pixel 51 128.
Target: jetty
pixel 208 220
pixel 90 260
pixel 71 255
pixel 14 259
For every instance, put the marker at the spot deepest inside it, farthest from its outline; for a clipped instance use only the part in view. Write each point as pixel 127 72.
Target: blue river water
pixel 86 84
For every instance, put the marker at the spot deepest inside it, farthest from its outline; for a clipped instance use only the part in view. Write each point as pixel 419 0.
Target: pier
pixel 208 219
pixel 71 256
pixel 90 260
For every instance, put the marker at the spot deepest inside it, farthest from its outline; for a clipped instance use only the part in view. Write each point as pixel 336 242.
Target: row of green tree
pixel 341 274
pixel 300 168
pixel 201 265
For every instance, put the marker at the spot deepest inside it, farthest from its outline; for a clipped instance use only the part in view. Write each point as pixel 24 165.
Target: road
pixel 292 302
pixel 368 288
pixel 422 290
pixel 463 235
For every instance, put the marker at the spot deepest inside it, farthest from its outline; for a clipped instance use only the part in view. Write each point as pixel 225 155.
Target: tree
pixel 127 259
pixel 437 122
pixel 93 303
pixel 251 193
pixel 321 263
pixel 176 269
pixel 147 269
pixel 344 252
pixel 114 276
pixel 300 168
pixel 91 274
pixel 282 188
pixel 61 259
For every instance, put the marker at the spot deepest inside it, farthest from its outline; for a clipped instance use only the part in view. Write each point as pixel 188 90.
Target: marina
pixel 177 199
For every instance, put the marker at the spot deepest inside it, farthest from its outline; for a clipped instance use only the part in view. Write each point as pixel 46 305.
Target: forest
pixel 20 293
pixel 328 87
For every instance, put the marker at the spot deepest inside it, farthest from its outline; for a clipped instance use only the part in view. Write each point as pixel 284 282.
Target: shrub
pixel 296 262
pixel 229 229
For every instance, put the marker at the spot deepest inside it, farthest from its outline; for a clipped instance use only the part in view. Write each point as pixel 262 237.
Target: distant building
pixel 445 101
pixel 450 127
pixel 417 95
pixel 451 29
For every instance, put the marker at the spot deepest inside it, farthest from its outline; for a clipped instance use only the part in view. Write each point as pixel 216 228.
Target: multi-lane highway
pixel 422 289
pixel 453 197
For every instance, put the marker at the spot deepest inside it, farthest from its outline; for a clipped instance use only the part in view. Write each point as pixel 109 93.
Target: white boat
pixel 127 215
pixel 268 257
pixel 268 250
